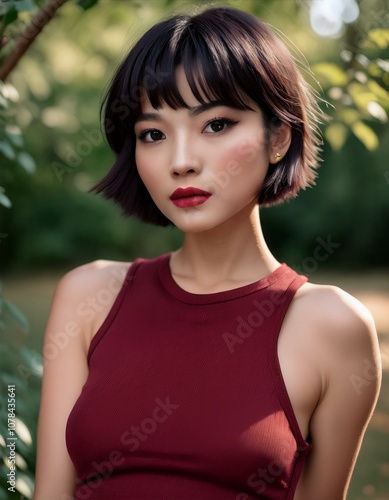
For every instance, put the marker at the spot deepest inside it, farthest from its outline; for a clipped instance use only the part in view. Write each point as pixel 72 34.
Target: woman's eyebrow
pixel 195 111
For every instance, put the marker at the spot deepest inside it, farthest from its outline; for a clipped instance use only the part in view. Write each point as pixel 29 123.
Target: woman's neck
pixel 233 253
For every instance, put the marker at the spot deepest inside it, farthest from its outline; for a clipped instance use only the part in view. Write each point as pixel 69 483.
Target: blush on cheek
pixel 229 167
pixel 250 148
pixel 245 156
pixel 244 152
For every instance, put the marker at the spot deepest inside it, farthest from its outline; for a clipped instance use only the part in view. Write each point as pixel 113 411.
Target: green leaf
pixel 5 201
pixel 87 4
pixel 14 134
pixel 379 91
pixel 375 70
pixel 380 37
pixel 349 115
pixel 27 162
pixel 18 5
pixel 330 74
pixel 9 92
pixel 11 16
pixel 366 135
pixel 32 358
pixel 9 379
pixel 3 102
pixel 383 64
pixel 4 8
pixel 360 95
pixel 336 134
pixel 17 315
pixel 377 111
pixel 25 485
pixel 24 5
pixel 7 150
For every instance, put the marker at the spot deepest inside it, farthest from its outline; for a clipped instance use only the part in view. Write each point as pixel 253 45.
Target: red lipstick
pixel 189 197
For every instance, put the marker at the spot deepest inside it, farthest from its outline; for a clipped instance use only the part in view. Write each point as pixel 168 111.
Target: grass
pixel 33 294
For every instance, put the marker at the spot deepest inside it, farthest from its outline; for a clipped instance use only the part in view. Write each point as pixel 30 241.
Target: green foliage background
pixel 52 151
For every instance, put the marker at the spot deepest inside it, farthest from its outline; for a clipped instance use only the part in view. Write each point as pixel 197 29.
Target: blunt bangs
pixel 227 55
pixel 213 69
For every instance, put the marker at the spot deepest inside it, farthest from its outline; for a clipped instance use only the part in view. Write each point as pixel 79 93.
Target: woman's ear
pixel 280 143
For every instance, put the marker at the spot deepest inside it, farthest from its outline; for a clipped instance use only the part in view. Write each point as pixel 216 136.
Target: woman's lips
pixel 189 197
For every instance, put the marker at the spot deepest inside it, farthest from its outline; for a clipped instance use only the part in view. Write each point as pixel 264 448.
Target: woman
pixel 215 371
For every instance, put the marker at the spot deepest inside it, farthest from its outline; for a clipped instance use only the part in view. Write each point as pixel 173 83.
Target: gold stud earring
pixel 277 157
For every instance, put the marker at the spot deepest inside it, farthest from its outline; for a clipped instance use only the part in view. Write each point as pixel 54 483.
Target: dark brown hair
pixel 227 55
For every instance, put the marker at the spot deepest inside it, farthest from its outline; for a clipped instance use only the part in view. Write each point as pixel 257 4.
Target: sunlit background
pixel 328 17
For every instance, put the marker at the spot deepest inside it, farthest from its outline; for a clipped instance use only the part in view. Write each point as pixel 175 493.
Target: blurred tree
pixel 19 365
pixel 358 83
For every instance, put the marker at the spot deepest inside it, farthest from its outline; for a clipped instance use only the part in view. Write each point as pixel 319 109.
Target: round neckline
pixel 179 293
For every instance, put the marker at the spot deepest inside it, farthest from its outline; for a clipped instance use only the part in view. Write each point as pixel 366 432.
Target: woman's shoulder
pixel 337 317
pixel 90 277
pixel 87 292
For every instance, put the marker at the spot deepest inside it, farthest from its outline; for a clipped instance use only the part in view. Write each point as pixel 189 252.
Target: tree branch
pixel 27 37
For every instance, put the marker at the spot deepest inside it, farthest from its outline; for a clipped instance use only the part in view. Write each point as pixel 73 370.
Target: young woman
pixel 214 371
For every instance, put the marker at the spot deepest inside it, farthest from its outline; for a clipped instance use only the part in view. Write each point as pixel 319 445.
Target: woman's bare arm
pixel 66 343
pixel 348 354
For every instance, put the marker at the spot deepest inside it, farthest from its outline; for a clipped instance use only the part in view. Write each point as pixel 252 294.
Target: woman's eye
pixel 219 124
pixel 151 135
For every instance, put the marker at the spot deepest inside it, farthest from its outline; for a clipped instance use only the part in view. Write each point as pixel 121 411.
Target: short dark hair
pixel 227 55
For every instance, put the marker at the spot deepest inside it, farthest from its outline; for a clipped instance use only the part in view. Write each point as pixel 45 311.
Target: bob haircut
pixel 227 55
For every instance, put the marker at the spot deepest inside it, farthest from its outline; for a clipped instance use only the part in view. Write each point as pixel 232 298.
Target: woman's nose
pixel 185 159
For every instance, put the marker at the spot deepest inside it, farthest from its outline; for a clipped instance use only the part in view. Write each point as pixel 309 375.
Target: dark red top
pixel 185 398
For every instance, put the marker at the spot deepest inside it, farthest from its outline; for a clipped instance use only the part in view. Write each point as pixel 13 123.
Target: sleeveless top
pixel 185 397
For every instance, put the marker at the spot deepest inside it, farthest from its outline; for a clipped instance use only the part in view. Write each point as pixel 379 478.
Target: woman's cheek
pixel 244 149
pixel 146 165
pixel 243 162
pixel 252 148
pixel 248 152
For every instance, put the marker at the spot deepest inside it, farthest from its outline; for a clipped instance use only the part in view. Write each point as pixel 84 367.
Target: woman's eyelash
pixel 142 135
pixel 227 121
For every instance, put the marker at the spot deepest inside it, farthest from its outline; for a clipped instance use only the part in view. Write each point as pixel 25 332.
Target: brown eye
pixel 152 135
pixel 217 125
pixel 156 135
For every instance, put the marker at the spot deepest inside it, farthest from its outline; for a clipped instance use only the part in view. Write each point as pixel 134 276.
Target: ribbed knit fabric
pixel 185 398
